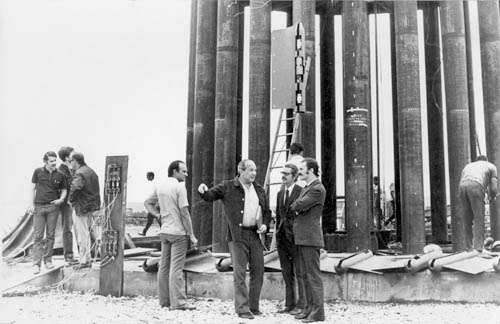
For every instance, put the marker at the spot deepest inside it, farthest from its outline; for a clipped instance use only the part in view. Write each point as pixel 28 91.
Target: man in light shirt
pixel 175 234
pixel 247 214
pixel 476 178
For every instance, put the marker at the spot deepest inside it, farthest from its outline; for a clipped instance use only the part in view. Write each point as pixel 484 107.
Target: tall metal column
pixel 304 11
pixel 489 32
pixel 435 122
pixel 470 82
pixel 410 127
pixel 204 107
pixel 191 80
pixel 226 113
pixel 457 101
pixel 259 86
pixel 357 130
pixel 397 173
pixel 328 159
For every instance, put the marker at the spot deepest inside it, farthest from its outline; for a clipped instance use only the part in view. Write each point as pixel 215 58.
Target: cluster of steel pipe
pixel 214 137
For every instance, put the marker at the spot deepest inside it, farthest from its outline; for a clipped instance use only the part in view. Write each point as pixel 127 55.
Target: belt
pixel 249 228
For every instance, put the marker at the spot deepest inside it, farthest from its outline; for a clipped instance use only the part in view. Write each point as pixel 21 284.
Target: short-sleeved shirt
pixel 172 197
pixel 48 185
pixel 479 171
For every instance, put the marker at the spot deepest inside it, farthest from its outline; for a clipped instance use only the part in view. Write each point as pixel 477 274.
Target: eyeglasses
pixel 70 160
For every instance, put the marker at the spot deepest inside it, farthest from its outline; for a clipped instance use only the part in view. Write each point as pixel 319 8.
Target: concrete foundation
pixel 424 286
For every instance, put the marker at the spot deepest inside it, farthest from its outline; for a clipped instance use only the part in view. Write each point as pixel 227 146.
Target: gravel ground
pixel 63 307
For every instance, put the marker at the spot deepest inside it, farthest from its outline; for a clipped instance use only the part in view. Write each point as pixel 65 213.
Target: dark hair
pixel 482 158
pixel 64 152
pixel 312 164
pixel 49 153
pixel 150 175
pixel 78 157
pixel 174 166
pixel 296 148
pixel 293 167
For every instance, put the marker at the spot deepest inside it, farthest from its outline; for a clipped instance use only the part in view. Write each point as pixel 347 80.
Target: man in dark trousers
pixel 247 215
pixel 151 176
pixel 287 250
pixel 66 209
pixel 308 236
pixel 49 192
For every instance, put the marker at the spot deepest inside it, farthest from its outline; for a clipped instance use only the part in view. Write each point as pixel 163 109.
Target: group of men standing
pixel 71 191
pixel 247 213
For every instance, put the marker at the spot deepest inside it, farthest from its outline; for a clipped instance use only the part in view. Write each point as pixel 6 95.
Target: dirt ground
pixel 63 307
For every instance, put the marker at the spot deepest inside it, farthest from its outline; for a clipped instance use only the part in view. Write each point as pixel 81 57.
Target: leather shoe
pixel 296 311
pixel 255 312
pixel 246 315
pixel 183 308
pixel 49 265
pixel 311 320
pixel 285 310
pixel 301 316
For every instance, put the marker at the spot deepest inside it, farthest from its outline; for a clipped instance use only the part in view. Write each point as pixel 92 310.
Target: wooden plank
pixel 111 270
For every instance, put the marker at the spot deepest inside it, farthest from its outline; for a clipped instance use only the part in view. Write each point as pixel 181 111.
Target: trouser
pixel 82 232
pixel 44 222
pixel 151 218
pixel 471 224
pixel 171 288
pixel 290 269
pixel 309 260
pixel 248 251
pixel 67 223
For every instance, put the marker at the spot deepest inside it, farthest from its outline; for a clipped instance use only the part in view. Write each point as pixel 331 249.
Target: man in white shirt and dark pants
pixel 175 234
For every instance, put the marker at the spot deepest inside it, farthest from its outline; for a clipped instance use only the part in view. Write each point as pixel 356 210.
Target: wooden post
pixel 115 199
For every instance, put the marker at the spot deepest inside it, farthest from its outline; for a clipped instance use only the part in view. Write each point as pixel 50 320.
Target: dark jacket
pixel 233 196
pixel 84 193
pixel 307 228
pixel 284 215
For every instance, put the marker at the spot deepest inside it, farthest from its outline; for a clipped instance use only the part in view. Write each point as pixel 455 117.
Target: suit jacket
pixel 284 215
pixel 233 197
pixel 308 210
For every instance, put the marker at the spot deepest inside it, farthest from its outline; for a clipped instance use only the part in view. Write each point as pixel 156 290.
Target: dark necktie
pixel 287 197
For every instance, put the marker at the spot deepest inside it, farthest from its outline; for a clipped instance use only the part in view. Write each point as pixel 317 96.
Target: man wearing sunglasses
pixel 287 250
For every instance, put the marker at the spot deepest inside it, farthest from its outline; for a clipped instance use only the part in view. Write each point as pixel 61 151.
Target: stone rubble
pixel 66 307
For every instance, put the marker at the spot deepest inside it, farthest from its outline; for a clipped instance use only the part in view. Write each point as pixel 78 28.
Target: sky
pixel 110 78
pixel 105 77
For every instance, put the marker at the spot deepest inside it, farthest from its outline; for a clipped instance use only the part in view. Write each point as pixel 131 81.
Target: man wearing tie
pixel 287 249
pixel 308 235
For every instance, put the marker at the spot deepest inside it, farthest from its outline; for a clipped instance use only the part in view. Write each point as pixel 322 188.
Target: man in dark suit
pixel 287 249
pixel 308 236
pixel 247 214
